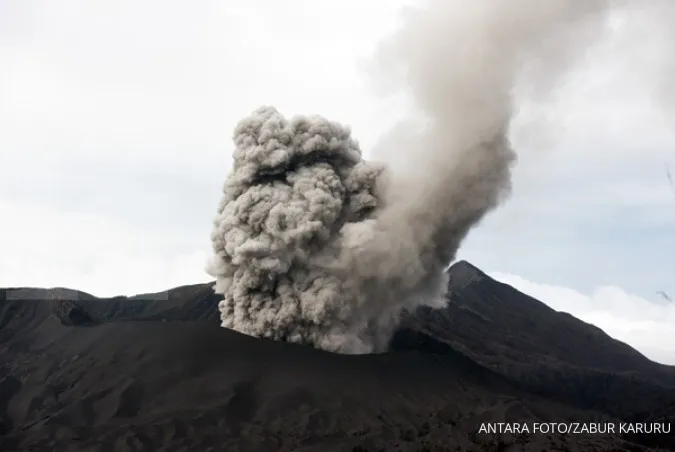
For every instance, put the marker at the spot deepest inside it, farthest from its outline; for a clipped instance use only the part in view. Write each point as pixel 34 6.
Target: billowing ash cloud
pixel 315 245
pixel 294 188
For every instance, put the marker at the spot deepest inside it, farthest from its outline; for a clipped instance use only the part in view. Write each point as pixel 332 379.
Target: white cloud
pixel 646 325
pixel 105 256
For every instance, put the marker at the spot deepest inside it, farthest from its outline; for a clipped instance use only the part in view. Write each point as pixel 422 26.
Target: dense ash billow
pixel 293 187
pixel 306 250
pixel 314 245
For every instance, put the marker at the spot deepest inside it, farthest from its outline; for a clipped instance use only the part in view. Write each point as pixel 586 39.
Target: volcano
pixel 157 372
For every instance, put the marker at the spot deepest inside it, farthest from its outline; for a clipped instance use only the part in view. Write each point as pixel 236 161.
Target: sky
pixel 115 140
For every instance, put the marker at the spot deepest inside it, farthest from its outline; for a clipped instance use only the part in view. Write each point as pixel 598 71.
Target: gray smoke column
pixel 313 244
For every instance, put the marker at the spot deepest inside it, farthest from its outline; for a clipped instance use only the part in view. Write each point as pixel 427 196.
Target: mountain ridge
pixel 84 367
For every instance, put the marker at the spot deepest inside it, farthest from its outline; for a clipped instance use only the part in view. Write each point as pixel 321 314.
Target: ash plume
pixel 313 244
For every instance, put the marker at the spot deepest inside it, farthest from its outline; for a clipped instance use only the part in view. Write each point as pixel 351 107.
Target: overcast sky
pixel 116 119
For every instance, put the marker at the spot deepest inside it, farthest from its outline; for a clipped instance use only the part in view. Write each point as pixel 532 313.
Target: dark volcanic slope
pixel 551 353
pixel 194 302
pixel 156 372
